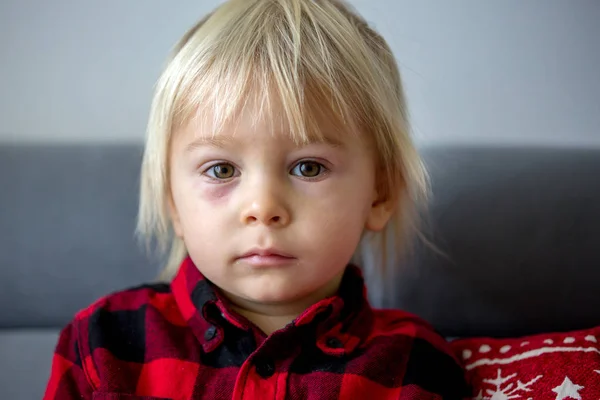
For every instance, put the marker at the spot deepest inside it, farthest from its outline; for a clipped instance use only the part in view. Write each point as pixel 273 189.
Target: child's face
pixel 265 220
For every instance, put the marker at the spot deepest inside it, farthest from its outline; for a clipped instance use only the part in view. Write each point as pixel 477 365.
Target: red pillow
pixel 547 366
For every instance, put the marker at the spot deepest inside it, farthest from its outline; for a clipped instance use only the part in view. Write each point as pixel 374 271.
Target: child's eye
pixel 308 169
pixel 221 171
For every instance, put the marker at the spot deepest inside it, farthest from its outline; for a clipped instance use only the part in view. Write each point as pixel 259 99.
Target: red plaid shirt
pixel 181 341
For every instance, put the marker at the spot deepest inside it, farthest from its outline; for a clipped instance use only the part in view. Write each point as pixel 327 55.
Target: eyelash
pixel 216 179
pixel 323 170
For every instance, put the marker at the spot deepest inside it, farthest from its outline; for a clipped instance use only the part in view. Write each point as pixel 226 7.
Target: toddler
pixel 277 141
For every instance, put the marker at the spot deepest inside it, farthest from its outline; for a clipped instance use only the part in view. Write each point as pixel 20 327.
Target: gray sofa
pixel 519 229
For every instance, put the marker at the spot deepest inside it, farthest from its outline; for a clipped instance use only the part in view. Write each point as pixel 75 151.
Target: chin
pixel 273 297
pixel 275 293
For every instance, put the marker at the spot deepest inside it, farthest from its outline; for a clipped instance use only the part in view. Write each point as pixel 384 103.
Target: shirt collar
pixel 343 321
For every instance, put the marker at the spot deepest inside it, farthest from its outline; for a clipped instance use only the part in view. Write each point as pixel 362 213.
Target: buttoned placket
pixel 263 375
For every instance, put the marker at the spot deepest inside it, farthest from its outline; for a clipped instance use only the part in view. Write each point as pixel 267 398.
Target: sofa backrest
pixel 517 232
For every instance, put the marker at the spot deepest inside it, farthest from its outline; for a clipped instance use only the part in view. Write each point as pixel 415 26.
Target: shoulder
pixel 114 328
pixel 127 310
pixel 127 305
pixel 391 322
pixel 428 359
pixel 418 335
pixel 120 318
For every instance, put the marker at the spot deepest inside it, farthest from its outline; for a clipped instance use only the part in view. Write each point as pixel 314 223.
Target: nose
pixel 265 206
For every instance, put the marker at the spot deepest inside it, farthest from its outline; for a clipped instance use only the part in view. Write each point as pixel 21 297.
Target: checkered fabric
pixel 182 341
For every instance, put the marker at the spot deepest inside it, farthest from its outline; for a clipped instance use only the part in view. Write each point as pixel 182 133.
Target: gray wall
pixel 502 70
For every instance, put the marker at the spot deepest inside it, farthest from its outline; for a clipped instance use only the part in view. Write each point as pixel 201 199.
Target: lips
pixel 266 258
pixel 266 253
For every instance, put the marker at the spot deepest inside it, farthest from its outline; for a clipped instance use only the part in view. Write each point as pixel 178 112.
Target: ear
pixel 175 219
pixel 380 213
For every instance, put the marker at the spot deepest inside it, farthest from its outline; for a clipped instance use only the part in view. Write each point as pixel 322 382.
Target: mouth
pixel 262 258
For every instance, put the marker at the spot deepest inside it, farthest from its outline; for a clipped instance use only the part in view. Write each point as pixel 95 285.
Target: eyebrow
pixel 207 141
pixel 224 142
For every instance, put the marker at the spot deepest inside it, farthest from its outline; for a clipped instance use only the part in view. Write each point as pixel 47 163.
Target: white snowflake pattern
pixel 504 389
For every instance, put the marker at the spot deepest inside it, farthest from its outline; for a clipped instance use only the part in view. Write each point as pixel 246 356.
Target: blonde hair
pixel 312 58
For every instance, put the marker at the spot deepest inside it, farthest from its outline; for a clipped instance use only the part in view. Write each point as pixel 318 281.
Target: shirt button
pixel 210 333
pixel 334 343
pixel 265 368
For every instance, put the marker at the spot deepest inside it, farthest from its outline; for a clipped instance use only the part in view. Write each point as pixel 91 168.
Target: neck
pixel 266 322
pixel 270 317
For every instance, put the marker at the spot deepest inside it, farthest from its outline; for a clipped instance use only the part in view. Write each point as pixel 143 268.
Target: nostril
pixel 275 219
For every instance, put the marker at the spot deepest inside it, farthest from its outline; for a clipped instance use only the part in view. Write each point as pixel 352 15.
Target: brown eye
pixel 221 171
pixel 307 169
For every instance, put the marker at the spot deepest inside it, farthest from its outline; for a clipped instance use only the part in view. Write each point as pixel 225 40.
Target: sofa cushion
pixel 517 232
pixel 25 362
pixel 67 214
pixel 546 366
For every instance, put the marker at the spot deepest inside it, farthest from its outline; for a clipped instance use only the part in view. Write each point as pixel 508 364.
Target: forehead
pixel 315 125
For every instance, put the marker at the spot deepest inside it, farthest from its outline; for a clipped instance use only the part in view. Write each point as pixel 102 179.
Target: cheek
pixel 343 217
pixel 196 202
pixel 350 196
pixel 337 237
pixel 201 219
pixel 215 194
pixel 338 217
